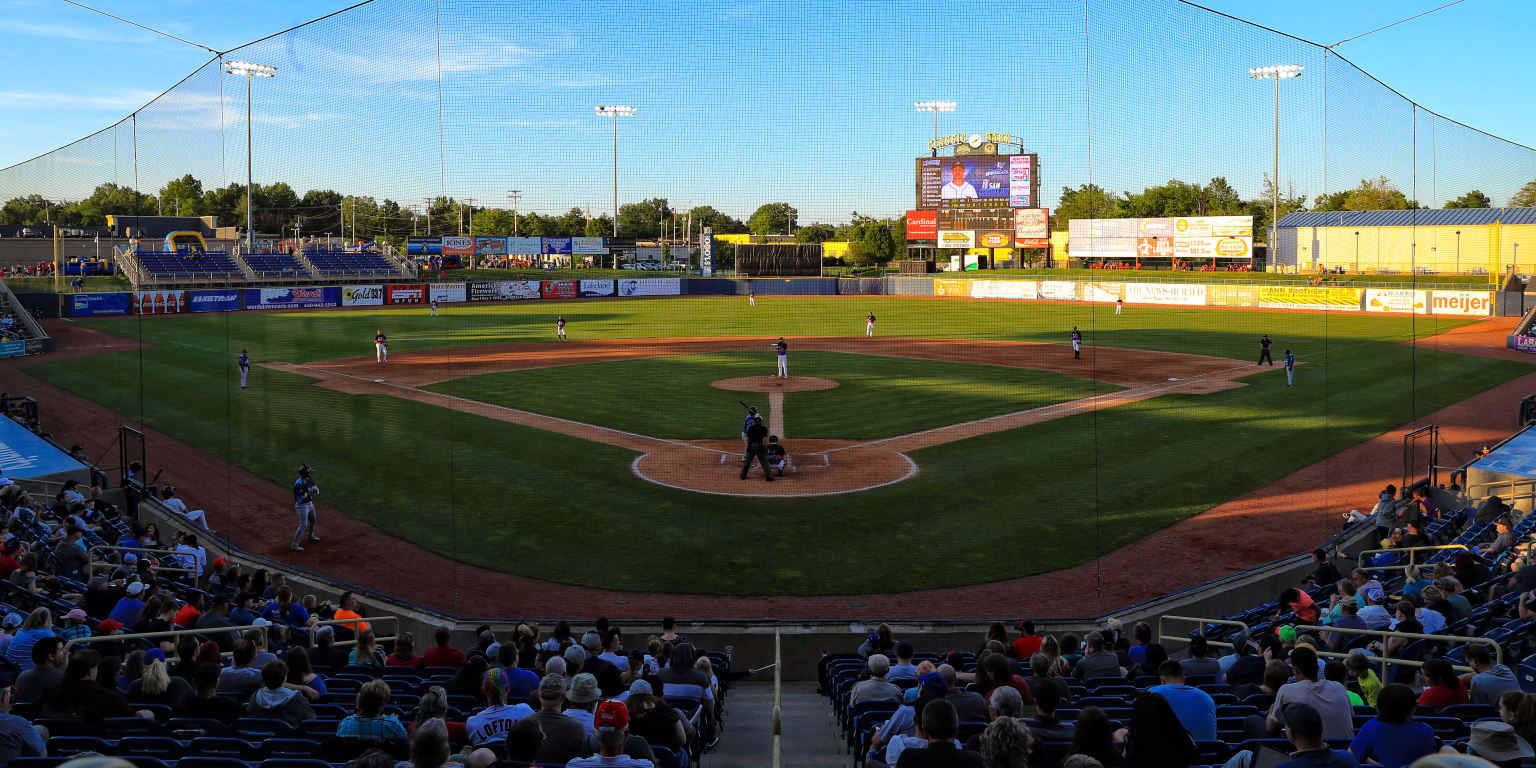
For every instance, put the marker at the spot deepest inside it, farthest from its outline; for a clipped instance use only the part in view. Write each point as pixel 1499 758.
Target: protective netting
pixel 409 117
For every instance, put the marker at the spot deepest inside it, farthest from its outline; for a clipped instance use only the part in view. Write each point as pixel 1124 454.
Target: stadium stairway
pixel 811 737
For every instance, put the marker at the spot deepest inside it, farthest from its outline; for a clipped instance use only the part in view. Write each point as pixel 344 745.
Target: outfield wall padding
pixel 762 286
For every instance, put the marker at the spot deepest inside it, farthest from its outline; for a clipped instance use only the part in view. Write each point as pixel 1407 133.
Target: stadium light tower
pixel 248 71
pixel 935 107
pixel 1276 72
pixel 615 111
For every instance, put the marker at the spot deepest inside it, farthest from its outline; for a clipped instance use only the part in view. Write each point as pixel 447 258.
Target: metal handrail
pixel 1365 564
pixel 1498 651
pixel 175 633
pixel 778 723
pixel 1161 635
pixel 94 564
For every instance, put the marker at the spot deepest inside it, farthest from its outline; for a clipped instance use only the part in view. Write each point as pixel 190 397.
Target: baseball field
pixel 962 445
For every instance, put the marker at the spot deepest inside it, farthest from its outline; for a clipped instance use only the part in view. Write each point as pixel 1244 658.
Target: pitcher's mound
pixel 773 384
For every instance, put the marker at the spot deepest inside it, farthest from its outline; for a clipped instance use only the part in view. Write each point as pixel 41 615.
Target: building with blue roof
pixel 1433 240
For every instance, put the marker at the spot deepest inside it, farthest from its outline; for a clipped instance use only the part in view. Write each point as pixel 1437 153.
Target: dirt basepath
pixel 1287 516
pixel 1484 339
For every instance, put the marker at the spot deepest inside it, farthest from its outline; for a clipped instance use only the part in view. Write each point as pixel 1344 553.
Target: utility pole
pixel 470 203
pixel 515 195
pixel 426 203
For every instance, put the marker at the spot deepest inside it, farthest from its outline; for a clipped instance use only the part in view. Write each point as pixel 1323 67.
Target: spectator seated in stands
pixel 1195 708
pixel 18 738
pixel 1155 738
pixel 1100 661
pixel 938 727
pixel 349 610
pixel 1044 725
pixel 903 669
pixel 206 700
pixel 442 654
pixel 1197 663
pixel 47 669
pixel 1323 570
pixel 368 722
pixel 1244 666
pixel 197 516
pixel 581 700
pixel 1305 727
pixel 1490 510
pixel 1327 698
pixel 1442 688
pixel 275 700
pixel 994 671
pixel 1487 682
pixel 157 686
pixel 1392 738
pixel 404 654
pixel 607 675
pixel 878 641
pixel 1042 674
pixel 366 653
pixel 507 680
pixel 875 687
pixel 970 707
pixel 1144 654
pixel 902 722
pixel 80 696
pixel 563 736
pixel 655 720
pixel 1498 743
pixel 1502 542
pixel 611 736
pixel 37 625
pixel 241 679
pixel 1349 618
pixel 1358 665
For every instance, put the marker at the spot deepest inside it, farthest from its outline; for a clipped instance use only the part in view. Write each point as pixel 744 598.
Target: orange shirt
pixel 346 614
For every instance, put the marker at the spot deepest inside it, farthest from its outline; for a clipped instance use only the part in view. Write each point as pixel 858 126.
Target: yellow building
pixel 1450 241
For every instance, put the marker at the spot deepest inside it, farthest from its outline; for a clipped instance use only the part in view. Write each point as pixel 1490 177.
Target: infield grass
pixel 1003 505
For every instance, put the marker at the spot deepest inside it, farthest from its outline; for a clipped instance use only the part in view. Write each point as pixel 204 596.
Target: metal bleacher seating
pixel 275 266
pixel 206 267
pixel 351 264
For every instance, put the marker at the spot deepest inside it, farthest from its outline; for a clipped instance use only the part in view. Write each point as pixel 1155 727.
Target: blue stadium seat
pixel 163 747
pixel 70 745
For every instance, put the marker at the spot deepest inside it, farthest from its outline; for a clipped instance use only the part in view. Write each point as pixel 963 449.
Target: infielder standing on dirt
pixel 1290 367
pixel 869 325
pixel 783 350
pixel 380 346
pixel 560 328
pixel 757 434
pixel 304 493
pixel 245 367
pixel 1077 343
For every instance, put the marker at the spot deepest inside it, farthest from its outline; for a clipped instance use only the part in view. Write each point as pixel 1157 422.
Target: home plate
pixel 378 381
pixel 1171 378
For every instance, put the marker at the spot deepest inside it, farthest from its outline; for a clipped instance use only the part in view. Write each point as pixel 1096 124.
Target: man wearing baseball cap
pixel 563 736
pixel 610 726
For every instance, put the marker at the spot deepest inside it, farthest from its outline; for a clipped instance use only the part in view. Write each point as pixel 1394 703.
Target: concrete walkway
pixel 811 737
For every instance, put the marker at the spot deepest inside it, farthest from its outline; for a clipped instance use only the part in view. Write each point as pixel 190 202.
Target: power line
pixel 141 26
pixel 1395 23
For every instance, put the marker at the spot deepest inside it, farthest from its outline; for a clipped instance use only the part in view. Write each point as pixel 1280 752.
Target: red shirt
pixel 414 662
pixel 457 733
pixel 1441 696
pixel 1018 684
pixel 8 566
pixel 187 617
pixel 443 656
pixel 1025 647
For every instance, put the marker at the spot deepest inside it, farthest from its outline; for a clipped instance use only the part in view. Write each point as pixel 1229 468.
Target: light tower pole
pixel 1276 72
pixel 935 107
pixel 249 71
pixel 515 195
pixel 615 111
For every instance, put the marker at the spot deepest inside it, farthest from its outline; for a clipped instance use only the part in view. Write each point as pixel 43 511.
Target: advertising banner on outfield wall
pixel 491 246
pixel 505 290
pixel 1230 295
pixel 1402 301
pixel 591 288
pixel 963 238
pixel 13 348
pixel 1104 248
pixel 1058 290
pixel 227 300
pixel 159 302
pixel 448 293
pixel 557 245
pixel 589 246
pixel 1103 293
pixel 524 246
pixel 424 246
pixel 362 295
pixel 922 225
pixel 415 293
pixel 99 304
pixel 655 286
pixel 1287 297
pixel 1174 294
pixel 952 288
pixel 558 289
pixel 292 298
pixel 1004 289
pixel 459 245
pixel 1461 303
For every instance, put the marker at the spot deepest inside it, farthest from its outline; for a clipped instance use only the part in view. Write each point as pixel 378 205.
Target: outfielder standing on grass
pixel 1290 368
pixel 380 346
pixel 869 325
pixel 783 350
pixel 1077 343
pixel 751 299
pixel 434 306
pixel 757 434
pixel 560 328
pixel 1119 304
pixel 245 367
pixel 304 493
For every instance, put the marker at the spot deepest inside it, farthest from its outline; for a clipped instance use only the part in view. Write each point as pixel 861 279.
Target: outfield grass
pixel 1004 505
pixel 876 397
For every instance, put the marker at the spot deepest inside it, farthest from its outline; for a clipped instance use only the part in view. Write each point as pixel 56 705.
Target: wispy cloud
pixel 294 121
pixel 121 101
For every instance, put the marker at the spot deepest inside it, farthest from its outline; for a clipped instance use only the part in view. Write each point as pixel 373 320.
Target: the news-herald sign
pixel 213 301
pixel 407 294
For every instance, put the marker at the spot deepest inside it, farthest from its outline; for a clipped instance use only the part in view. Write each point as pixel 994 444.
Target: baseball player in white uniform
pixel 783 353
pixel 869 325
pixel 380 346
pixel 434 307
pixel 1119 304
pixel 751 299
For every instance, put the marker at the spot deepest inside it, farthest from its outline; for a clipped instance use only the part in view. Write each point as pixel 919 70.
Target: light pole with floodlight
pixel 615 111
pixel 515 195
pixel 249 71
pixel 935 107
pixel 1276 72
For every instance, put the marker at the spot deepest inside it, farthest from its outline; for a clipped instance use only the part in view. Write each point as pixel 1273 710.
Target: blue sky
pixel 744 103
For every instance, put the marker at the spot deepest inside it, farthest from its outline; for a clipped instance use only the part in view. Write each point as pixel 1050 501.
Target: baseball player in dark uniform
pixel 782 349
pixel 245 367
pixel 304 493
pixel 1077 343
pixel 1264 351
pixel 869 325
pixel 380 346
pixel 560 327
pixel 777 459
pixel 757 436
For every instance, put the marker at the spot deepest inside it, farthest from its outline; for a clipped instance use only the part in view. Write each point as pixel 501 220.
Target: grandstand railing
pixel 1365 563
pixel 1510 496
pixel 778 723
pixel 1383 634
pixel 161 554
pixel 309 628
pixel 1200 624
